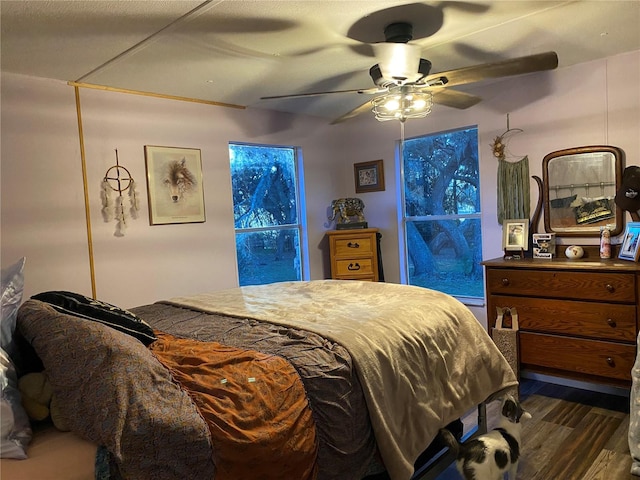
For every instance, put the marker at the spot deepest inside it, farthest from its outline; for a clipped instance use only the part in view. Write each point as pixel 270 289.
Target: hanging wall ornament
pixel 118 179
pixel 105 196
pixel 513 180
pixel 133 199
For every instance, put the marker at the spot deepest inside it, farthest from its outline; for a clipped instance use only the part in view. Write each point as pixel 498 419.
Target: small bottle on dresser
pixel 605 242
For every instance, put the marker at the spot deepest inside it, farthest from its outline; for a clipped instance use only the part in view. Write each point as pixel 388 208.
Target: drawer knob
pixel 611 322
pixel 611 362
pixel 610 288
pixel 353 245
pixel 353 267
pixel 505 282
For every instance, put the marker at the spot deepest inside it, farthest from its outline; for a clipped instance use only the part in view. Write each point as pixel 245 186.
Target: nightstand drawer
pixel 354 246
pixel 354 254
pixel 610 287
pixel 355 267
pixel 608 321
pixel 590 357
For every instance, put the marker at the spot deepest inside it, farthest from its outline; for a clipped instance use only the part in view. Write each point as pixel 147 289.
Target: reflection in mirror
pixel 579 189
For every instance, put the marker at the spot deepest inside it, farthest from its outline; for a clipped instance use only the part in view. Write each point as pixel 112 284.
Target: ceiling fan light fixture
pixel 401 103
pixel 398 62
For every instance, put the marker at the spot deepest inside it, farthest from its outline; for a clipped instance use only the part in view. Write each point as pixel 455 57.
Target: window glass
pixel 264 182
pixel 441 213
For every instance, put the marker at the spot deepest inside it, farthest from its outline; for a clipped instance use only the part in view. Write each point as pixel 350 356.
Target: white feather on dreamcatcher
pixel 115 209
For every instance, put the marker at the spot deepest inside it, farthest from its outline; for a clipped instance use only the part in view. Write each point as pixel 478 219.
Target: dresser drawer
pixel 354 246
pixel 600 286
pixel 608 321
pixel 590 357
pixel 355 267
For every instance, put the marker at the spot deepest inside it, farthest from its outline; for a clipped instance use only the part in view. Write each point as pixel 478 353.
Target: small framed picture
pixel 174 185
pixel 515 234
pixel 369 176
pixel 629 249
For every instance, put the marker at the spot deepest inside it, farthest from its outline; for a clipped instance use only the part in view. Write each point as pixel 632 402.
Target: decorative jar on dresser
pixel 354 254
pixel 578 318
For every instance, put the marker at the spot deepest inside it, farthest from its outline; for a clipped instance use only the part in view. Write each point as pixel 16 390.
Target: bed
pixel 325 379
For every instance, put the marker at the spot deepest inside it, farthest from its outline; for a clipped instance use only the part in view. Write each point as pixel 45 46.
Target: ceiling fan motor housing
pixel 399 32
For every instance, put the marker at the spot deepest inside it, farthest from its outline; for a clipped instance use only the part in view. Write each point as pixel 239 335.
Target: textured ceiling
pixel 236 51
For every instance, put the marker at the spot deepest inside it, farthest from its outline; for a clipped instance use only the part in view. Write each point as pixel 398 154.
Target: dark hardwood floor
pixel 574 434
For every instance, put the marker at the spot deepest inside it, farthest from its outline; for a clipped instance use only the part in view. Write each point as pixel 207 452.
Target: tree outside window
pixel 266 213
pixel 441 213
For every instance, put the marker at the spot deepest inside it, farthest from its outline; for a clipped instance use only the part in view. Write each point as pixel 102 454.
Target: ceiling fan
pixel 402 77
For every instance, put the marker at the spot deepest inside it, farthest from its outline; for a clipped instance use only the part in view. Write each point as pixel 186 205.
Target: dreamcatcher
pixel 513 179
pixel 118 179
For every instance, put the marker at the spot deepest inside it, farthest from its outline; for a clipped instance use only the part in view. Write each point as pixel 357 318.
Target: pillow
pixel 90 309
pixel 12 287
pixel 113 391
pixel 15 431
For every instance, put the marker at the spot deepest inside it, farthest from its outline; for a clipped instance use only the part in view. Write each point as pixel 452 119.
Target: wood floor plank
pixel 539 406
pixel 609 466
pixel 580 448
pixel 619 441
pixel 538 444
pixel 568 414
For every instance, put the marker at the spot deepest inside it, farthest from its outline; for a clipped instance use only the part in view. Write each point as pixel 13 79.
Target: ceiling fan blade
pixel 365 107
pixel 454 98
pixel 364 91
pixel 505 68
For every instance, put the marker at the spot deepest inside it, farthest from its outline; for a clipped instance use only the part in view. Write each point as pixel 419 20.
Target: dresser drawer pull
pixel 611 362
pixel 610 288
pixel 353 245
pixel 353 267
pixel 612 323
pixel 505 282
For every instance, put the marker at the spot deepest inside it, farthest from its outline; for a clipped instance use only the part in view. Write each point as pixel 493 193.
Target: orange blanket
pixel 254 404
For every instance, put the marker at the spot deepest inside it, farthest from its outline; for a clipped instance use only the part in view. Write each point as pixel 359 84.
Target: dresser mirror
pixel 579 189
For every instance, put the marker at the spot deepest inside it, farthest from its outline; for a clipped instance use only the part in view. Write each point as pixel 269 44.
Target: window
pixel 441 214
pixel 266 210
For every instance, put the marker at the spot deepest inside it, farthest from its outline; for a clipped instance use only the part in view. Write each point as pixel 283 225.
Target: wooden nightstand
pixel 354 254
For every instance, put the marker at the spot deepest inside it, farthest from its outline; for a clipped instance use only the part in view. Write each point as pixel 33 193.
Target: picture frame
pixel 630 247
pixel 369 176
pixel 174 185
pixel 515 234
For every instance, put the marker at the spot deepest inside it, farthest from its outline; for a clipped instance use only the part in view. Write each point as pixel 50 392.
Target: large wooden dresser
pixel 578 318
pixel 354 254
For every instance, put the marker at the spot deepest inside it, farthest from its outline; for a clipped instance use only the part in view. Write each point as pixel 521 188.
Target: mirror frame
pixel 588 230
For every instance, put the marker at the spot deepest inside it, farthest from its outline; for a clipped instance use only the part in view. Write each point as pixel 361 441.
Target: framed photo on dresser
pixel 515 234
pixel 629 250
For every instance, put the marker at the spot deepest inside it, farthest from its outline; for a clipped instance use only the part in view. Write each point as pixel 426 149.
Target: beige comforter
pixel 422 357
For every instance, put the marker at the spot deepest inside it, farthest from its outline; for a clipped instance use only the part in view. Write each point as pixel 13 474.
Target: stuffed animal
pixel 39 401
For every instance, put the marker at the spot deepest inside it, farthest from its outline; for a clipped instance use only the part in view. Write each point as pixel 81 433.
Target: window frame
pixel 301 209
pixel 402 218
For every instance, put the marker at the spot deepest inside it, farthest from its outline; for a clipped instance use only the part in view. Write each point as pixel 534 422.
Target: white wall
pixel 43 216
pixel 42 198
